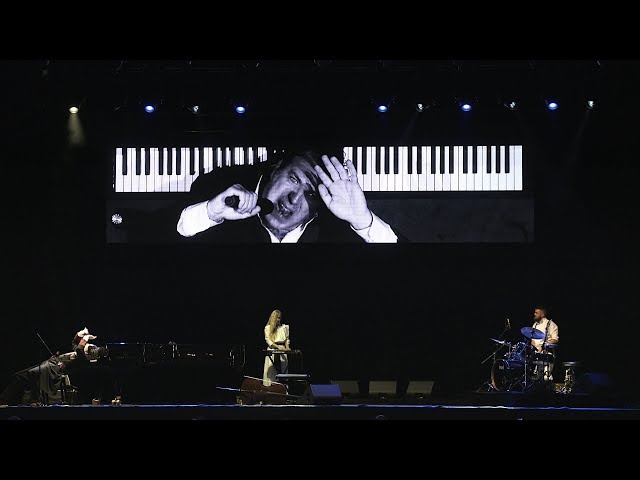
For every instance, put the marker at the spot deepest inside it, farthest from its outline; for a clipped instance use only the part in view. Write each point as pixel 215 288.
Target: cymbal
pixel 532 333
pixel 500 341
pixel 549 345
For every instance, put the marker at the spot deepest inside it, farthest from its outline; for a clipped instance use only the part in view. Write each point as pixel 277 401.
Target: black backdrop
pixel 417 311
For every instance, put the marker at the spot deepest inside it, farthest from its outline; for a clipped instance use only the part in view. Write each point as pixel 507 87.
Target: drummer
pixel 544 338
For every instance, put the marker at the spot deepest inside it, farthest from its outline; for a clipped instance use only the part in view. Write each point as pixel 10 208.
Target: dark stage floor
pixel 467 406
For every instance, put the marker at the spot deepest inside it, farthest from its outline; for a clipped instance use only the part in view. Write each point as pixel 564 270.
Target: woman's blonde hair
pixel 273 322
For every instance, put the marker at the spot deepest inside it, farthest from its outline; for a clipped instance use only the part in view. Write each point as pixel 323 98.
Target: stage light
pixel 551 105
pixel 194 109
pixel 466 105
pixel 511 105
pixel 420 107
pixel 73 109
pixel 240 109
pixel 116 219
pixel 382 108
pixel 591 104
pixel 149 108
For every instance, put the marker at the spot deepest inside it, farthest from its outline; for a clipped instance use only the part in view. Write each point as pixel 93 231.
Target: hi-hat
pixel 532 333
pixel 500 341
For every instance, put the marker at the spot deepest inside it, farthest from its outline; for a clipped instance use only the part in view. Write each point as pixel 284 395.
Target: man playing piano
pixel 302 198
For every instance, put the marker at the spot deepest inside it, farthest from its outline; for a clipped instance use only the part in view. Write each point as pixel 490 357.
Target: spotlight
pixel 149 108
pixel 240 109
pixel 420 107
pixel 591 104
pixel 465 104
pixel 73 109
pixel 551 105
pixel 511 105
pixel 382 108
pixel 116 219
pixel 194 109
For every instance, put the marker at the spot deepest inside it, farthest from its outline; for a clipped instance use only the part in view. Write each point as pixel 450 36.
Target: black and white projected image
pixel 361 194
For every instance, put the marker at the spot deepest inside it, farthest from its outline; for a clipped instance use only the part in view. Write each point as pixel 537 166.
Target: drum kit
pixel 522 366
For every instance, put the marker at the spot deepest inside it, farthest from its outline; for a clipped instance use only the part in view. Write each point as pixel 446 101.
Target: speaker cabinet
pixel 328 394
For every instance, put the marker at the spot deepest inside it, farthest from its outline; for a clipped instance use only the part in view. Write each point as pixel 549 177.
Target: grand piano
pixel 152 373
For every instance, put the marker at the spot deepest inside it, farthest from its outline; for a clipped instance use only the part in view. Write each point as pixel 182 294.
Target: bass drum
pixel 506 374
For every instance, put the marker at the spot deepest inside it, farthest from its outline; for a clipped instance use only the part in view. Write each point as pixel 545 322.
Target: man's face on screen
pixel 293 189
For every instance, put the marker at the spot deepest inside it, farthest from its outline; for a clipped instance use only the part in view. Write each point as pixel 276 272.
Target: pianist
pixel 41 384
pixel 302 198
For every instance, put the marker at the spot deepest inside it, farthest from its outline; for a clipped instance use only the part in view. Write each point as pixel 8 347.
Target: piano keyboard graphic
pixel 379 169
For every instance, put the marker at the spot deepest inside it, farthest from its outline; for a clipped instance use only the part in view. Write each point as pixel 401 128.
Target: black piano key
pixel 451 158
pixel 433 160
pixel 498 159
pixel 442 160
pixel 387 164
pixel 507 167
pixel 474 154
pixel 147 161
pixel 138 160
pixel 178 161
pixel 409 160
pixel 125 155
pixel 488 157
pixel 378 167
pixel 363 160
pixel 396 161
pixel 160 161
pixel 465 159
pixel 419 161
pixel 192 166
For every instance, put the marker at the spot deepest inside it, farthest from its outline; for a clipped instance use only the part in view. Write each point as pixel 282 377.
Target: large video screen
pixel 366 194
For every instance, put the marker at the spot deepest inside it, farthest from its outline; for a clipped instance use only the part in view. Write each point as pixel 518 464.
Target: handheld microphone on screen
pixel 266 206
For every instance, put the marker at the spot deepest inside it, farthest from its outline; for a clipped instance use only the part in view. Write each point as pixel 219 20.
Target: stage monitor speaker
pixel 349 388
pixel 317 394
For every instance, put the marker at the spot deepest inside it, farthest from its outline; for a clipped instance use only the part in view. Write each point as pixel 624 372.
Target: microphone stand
pixel 40 393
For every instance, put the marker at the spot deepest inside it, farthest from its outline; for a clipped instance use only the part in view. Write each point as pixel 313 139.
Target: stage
pixel 468 406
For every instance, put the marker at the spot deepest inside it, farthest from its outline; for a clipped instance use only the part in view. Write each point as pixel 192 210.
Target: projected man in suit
pixel 302 198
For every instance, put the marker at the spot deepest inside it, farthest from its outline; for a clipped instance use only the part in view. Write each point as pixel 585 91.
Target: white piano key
pixel 359 159
pixel 228 158
pixel 414 169
pixel 384 178
pixel 126 184
pixel 173 177
pixel 518 167
pixel 250 156
pixel 481 155
pixel 185 161
pixel 494 168
pixel 486 177
pixel 454 175
pixel 371 161
pixel 207 159
pixel 403 168
pixel 238 156
pixel 458 158
pixel 422 177
pixel 148 179
pixel 391 176
pixel 437 174
pixel 431 174
pixel 154 169
pixel 502 176
pixel 446 176
pixel 119 178
pixel 164 186
pixel 262 154
pixel 471 181
pixel 512 169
